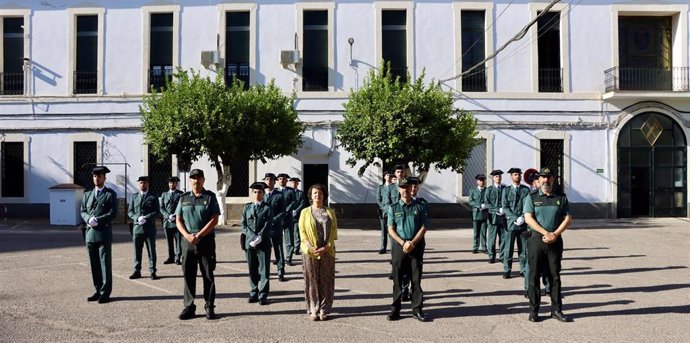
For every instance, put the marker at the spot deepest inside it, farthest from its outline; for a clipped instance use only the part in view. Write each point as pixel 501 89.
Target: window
pixel 476 164
pixel 551 155
pixel 12 76
pixel 159 170
pixel 84 160
pixel 473 50
pixel 86 72
pixel 161 50
pixel 315 51
pixel 12 169
pixel 645 54
pixel 239 185
pixel 550 74
pixel 237 47
pixel 394 41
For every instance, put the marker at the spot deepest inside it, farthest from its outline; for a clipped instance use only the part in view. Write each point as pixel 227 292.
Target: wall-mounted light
pixel 351 41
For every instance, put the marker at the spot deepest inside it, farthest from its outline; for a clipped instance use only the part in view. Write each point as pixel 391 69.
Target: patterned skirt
pixel 319 283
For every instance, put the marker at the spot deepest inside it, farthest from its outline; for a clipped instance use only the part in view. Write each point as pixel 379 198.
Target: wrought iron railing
pixel 474 81
pixel 314 79
pixel 238 71
pixel 400 72
pixel 11 83
pixel 675 79
pixel 85 82
pixel 550 80
pixel 159 76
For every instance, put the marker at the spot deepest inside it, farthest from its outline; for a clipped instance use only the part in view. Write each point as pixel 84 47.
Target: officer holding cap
pixel 257 222
pixel 98 209
pixel 480 214
pixel 168 204
pixel 274 199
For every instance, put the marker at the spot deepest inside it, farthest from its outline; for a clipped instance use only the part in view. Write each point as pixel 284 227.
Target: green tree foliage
pixel 400 122
pixel 196 116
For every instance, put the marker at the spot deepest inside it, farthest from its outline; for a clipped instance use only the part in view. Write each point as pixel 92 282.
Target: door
pixel 313 174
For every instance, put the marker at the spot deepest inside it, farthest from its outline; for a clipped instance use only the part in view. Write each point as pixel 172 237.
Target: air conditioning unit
pixel 210 57
pixel 289 57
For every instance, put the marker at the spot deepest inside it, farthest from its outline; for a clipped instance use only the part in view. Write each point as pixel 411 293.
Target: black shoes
pixel 179 263
pixel 506 275
pixel 263 302
pixel 419 316
pixel 169 261
pixel 492 260
pixel 135 275
pixel 522 274
pixel 560 317
pixel 252 300
pixel 393 316
pixel 475 251
pixel 526 295
pixel 382 251
pixel 187 313
pixel 534 317
pixel 154 276
pixel 298 252
pixel 94 297
pixel 289 263
pixel 210 313
pixel 281 278
pixel 544 292
pixel 103 300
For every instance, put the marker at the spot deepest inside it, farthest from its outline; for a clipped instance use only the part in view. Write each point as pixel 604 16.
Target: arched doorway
pixel 652 167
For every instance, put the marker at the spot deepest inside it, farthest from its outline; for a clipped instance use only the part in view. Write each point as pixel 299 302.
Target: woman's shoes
pixel 323 316
pixel 313 317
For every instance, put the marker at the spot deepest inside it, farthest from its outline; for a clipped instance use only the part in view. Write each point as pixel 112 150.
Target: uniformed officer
pixel 288 224
pixel 274 199
pixel 480 214
pixel 533 181
pixel 197 216
pixel 168 204
pixel 257 221
pixel 548 216
pixel 497 220
pixel 414 191
pixel 380 195
pixel 98 209
pixel 512 201
pixel 407 225
pixel 302 203
pixel 393 197
pixel 143 211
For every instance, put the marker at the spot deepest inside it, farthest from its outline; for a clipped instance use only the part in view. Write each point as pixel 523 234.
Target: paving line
pixel 18 225
pixel 53 265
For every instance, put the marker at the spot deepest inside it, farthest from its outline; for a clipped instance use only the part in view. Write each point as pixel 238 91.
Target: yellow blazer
pixel 307 231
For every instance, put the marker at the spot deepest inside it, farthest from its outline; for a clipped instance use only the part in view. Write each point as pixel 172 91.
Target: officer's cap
pixel 143 178
pixel 100 170
pixel 258 185
pixel 496 172
pixel 283 175
pixel 514 170
pixel 270 175
pixel 404 182
pixel 387 172
pixel 413 180
pixel 196 173
pixel 295 179
pixel 546 171
pixel 399 167
pixel 480 177
pixel 173 179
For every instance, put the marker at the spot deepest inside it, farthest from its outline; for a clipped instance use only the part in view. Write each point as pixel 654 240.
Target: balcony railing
pixel 239 71
pixel 474 81
pixel 159 76
pixel 11 83
pixel 85 82
pixel 550 80
pixel 647 79
pixel 314 79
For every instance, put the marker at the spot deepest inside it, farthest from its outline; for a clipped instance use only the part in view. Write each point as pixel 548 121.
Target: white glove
pixel 500 211
pixel 520 221
pixel 255 241
pixel 294 213
pixel 482 206
pixel 172 217
pixel 93 222
pixel 141 220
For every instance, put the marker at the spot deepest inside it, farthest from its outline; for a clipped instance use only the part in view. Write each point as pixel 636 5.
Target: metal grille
pixel 159 76
pixel 12 169
pixel 551 155
pixel 238 71
pixel 84 160
pixel 11 83
pixel 85 82
pixel 551 80
pixel 647 79
pixel 159 172
pixel 239 185
pixel 476 164
pixel 475 81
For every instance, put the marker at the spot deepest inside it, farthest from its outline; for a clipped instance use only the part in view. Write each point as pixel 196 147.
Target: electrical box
pixel 210 57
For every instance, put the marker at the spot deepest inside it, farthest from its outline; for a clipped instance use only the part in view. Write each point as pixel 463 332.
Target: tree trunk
pixel 224 177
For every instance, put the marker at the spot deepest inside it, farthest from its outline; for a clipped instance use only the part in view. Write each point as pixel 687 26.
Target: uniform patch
pixel 558 202
pixel 398 214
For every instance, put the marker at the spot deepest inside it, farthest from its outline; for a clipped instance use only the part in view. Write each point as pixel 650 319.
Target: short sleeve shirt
pixel 549 211
pixel 197 211
pixel 407 219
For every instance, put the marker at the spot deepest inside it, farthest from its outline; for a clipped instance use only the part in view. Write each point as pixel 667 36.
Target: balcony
pixel 550 80
pixel 12 83
pixel 239 71
pixel 400 72
pixel 159 76
pixel 647 83
pixel 85 82
pixel 475 81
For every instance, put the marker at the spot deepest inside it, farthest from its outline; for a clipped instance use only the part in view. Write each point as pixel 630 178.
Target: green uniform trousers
pixel 259 263
pixel 100 259
pixel 139 240
pixel 544 259
pixel 203 256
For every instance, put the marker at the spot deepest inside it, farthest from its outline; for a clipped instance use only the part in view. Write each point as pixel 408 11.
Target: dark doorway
pixel 315 173
pixel 652 168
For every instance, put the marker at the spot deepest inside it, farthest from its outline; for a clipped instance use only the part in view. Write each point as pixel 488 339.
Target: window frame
pixel 72 49
pixel 408 7
pixel 488 136
pixel 562 135
pixel 223 9
pixel 563 10
pixel 146 12
pixel 300 7
pixel 488 9
pixel 18 138
pixel 16 13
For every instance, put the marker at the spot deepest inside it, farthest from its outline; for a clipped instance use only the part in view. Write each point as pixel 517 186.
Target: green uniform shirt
pixel 549 211
pixel 407 219
pixel 197 211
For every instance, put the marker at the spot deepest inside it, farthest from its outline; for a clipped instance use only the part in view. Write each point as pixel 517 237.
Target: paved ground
pixel 623 281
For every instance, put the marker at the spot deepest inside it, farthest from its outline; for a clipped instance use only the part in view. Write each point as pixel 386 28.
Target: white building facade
pixel 598 90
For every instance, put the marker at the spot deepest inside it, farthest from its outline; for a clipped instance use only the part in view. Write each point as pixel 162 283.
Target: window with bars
pixel 394 41
pixel 159 172
pixel 551 155
pixel 237 47
pixel 476 164
pixel 86 72
pixel 12 169
pixel 473 50
pixel 161 50
pixel 550 74
pixel 84 160
pixel 315 46
pixel 12 76
pixel 239 186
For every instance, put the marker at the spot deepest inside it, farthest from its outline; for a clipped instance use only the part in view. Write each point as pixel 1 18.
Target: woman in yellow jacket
pixel 318 230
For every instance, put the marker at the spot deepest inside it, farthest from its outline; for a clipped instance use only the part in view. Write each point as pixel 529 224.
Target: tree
pixel 196 116
pixel 400 122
